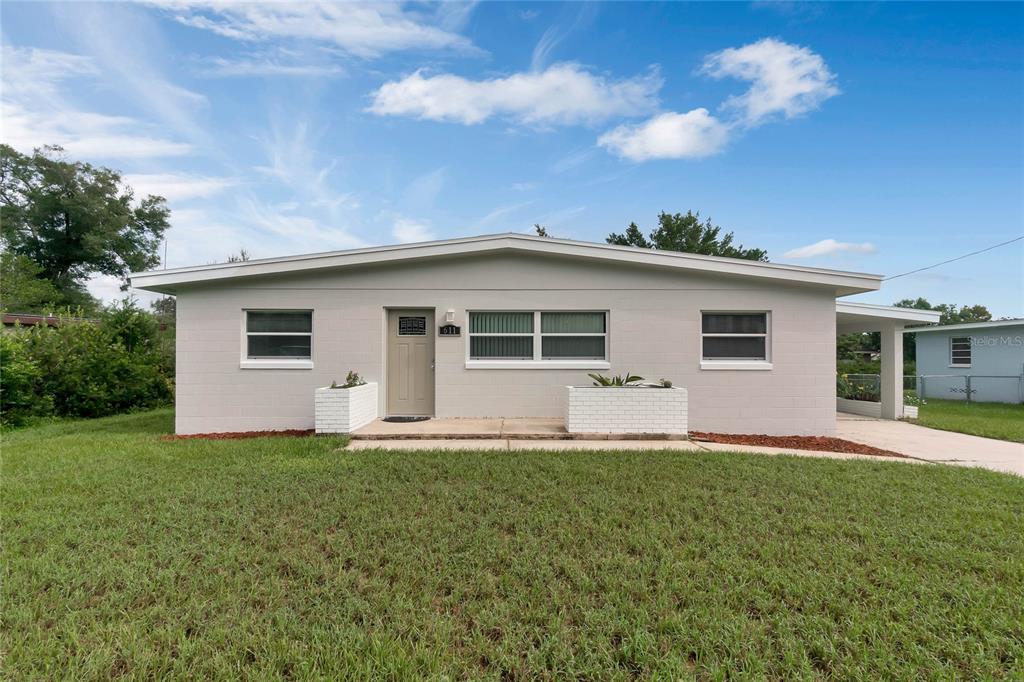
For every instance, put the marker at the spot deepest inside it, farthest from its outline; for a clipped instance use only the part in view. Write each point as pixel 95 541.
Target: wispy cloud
pixel 177 187
pixel 830 247
pixel 36 112
pixel 265 65
pixel 361 29
pixel 408 230
pixel 422 192
pixel 294 161
pixel 786 80
pixel 561 94
pixel 488 221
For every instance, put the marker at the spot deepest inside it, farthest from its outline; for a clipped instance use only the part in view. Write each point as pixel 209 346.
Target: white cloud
pixel 361 29
pixel 176 187
pixel 407 231
pixel 262 65
pixel 35 111
pixel 830 247
pixel 524 186
pixel 668 136
pixel 785 79
pixel 561 94
pixel 488 221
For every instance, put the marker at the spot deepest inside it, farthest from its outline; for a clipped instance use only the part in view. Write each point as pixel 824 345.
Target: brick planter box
pixel 640 410
pixel 343 410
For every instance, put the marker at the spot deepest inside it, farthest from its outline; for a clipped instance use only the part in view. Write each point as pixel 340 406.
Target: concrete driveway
pixel 942 447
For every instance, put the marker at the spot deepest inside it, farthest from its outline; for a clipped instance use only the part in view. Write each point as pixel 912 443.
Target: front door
pixel 410 368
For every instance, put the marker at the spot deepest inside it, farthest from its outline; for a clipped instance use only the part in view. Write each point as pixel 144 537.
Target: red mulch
pixel 237 435
pixel 822 443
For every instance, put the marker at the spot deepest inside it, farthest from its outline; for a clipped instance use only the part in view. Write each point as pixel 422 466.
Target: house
pixel 983 360
pixel 499 325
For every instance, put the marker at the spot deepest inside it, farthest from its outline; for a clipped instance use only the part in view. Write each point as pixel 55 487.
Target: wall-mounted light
pixel 449 316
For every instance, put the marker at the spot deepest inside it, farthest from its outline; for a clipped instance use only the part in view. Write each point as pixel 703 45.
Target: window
pixel 960 351
pixel 550 337
pixel 734 337
pixel 412 326
pixel 279 334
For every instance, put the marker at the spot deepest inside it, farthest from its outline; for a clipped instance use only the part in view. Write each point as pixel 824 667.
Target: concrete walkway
pixel 512 444
pixel 932 445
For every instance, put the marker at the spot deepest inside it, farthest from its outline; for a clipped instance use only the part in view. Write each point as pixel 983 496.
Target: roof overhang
pixel 170 281
pixel 866 317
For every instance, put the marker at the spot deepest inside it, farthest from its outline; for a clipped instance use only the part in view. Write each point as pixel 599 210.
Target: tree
pixel 950 313
pixel 540 230
pixel 240 257
pixel 75 220
pixel 686 233
pixel 22 288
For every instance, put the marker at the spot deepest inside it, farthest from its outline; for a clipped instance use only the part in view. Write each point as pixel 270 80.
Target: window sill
pixel 959 366
pixel 538 364
pixel 736 364
pixel 276 364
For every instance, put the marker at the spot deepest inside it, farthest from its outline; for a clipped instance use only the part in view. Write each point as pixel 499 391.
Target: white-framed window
pixel 538 338
pixel 960 351
pixel 735 340
pixel 278 338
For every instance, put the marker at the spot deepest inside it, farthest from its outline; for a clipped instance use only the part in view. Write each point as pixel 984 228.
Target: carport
pixel 890 322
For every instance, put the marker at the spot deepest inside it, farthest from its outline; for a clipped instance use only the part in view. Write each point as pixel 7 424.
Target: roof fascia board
pixel 844 282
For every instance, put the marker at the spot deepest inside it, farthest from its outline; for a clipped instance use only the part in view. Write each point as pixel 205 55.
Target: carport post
pixel 892 371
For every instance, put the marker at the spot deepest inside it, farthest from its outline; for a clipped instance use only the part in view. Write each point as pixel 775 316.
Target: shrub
pixel 84 368
pixel 20 380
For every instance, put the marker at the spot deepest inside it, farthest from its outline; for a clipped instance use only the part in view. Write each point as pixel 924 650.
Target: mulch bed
pixel 821 443
pixel 238 435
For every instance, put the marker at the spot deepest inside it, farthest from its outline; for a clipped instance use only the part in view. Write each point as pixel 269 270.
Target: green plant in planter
pixel 618 380
pixel 665 383
pixel 351 381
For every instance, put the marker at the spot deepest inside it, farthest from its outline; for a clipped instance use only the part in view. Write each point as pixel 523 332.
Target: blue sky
pixel 871 137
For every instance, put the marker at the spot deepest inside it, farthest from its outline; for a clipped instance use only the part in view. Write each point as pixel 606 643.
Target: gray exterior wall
pixel 654 331
pixel 998 351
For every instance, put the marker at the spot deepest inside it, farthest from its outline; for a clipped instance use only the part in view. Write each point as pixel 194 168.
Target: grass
pixel 128 555
pixel 992 420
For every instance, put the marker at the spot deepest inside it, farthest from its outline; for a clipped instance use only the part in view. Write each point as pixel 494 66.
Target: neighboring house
pixel 498 325
pixel 990 353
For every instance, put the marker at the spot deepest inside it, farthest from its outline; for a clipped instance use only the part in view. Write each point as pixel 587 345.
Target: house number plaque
pixel 449 330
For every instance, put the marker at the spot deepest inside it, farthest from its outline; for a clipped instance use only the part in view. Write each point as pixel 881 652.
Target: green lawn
pixel 992 420
pixel 125 554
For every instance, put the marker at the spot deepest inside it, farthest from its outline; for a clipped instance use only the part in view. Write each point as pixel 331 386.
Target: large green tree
pixel 22 287
pixel 75 220
pixel 686 233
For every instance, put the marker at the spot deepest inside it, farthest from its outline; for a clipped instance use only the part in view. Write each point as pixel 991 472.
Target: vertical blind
pixel 572 335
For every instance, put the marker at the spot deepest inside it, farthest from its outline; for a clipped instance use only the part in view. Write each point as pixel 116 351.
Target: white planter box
pixel 594 409
pixel 343 410
pixel 864 408
pixel 910 411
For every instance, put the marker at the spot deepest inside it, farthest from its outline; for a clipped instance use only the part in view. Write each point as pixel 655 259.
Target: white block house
pixel 499 325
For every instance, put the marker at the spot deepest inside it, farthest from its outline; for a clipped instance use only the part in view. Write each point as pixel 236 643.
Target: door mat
pixel 404 420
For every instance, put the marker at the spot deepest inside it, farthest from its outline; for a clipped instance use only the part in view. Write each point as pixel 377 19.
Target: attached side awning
pixel 891 322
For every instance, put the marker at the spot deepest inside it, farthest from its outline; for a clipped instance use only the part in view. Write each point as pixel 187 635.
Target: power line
pixel 951 260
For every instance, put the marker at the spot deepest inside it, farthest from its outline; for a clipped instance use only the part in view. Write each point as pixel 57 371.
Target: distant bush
pixel 85 368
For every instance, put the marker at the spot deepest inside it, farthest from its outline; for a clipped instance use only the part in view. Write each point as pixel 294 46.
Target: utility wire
pixel 951 260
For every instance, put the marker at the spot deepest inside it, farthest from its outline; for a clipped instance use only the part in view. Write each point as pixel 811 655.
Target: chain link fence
pixel 967 387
